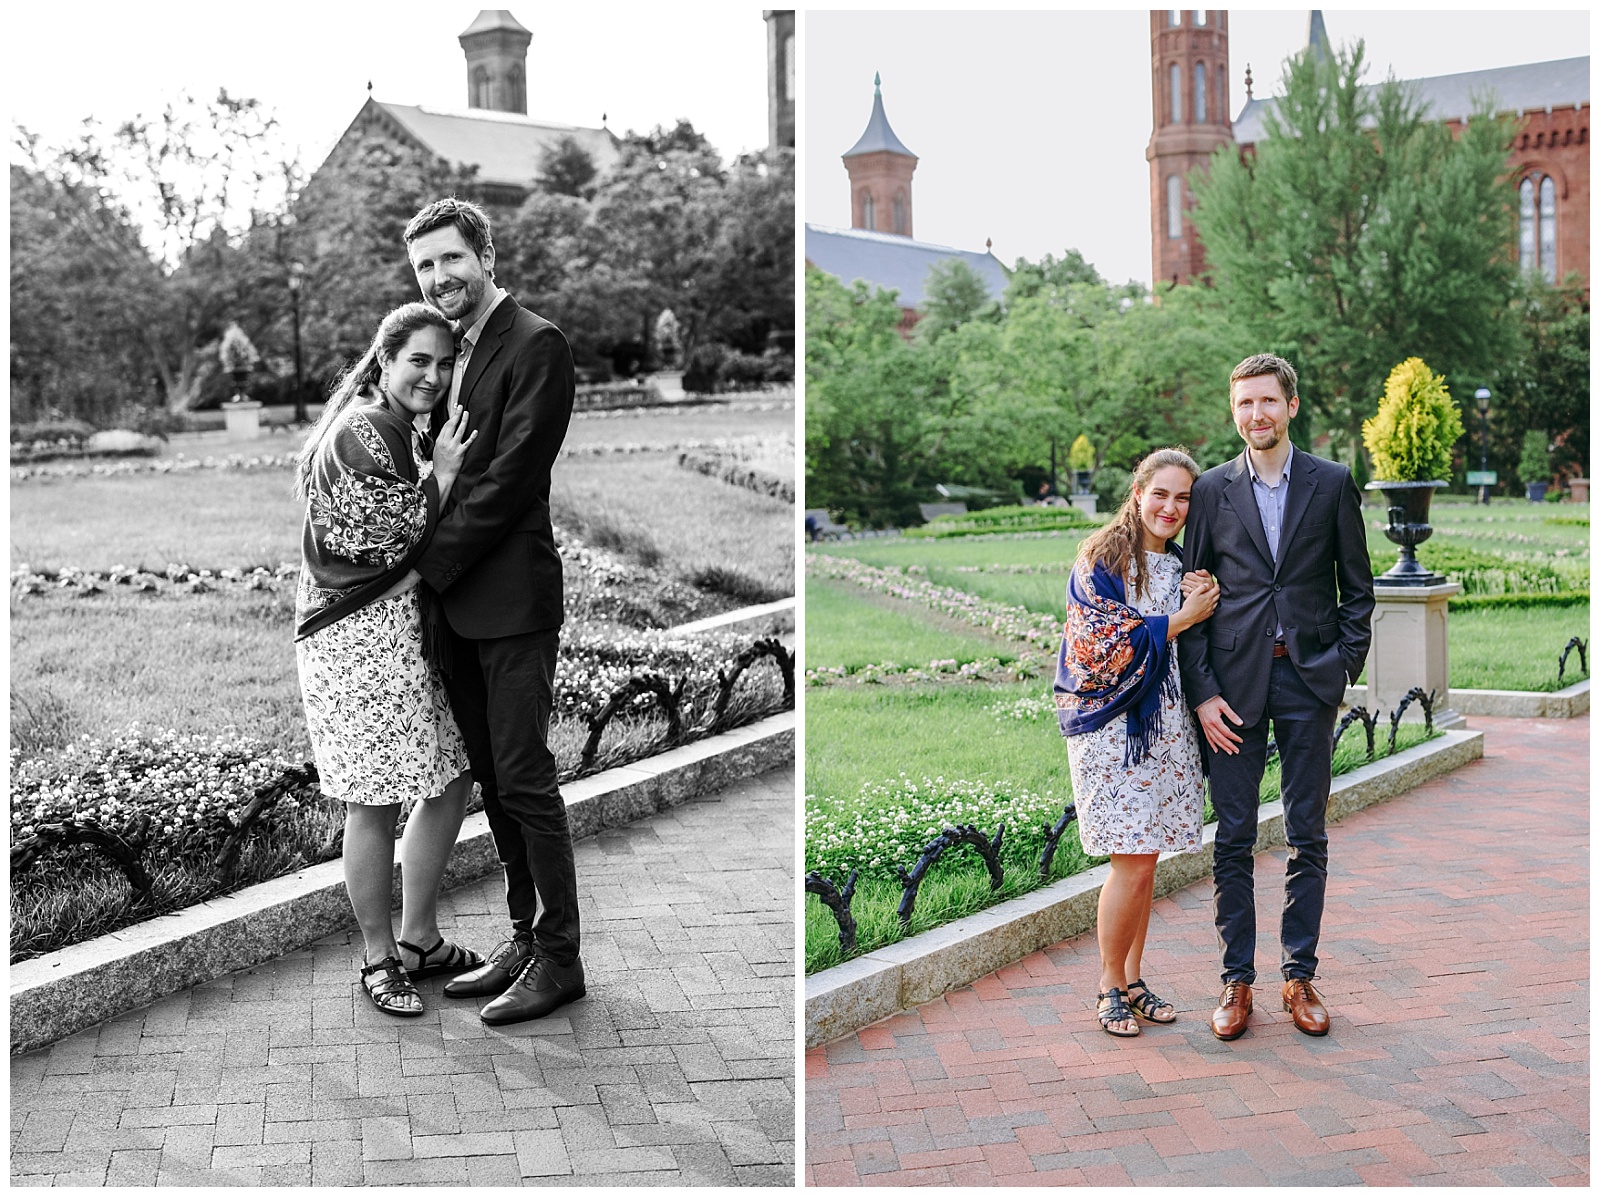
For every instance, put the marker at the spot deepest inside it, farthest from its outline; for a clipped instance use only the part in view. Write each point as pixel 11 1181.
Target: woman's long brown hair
pixel 1115 544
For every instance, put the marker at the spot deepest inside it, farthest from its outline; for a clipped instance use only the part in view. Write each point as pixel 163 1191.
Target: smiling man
pixel 1282 533
pixel 494 563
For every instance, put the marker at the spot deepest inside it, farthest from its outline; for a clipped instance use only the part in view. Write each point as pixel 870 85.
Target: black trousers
pixel 502 691
pixel 1304 726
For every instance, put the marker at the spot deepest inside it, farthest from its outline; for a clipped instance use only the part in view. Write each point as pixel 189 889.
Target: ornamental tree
pixel 1416 425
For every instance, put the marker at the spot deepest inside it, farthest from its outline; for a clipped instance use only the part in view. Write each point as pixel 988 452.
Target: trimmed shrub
pixel 1416 426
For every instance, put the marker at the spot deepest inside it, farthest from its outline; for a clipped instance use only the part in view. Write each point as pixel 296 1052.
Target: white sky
pixel 640 64
pixel 1030 127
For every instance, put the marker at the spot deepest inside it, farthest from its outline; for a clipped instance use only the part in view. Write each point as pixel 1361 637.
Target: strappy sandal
pixel 1148 1006
pixel 456 960
pixel 385 993
pixel 1113 1008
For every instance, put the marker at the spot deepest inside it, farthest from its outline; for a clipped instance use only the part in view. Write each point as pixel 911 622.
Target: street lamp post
pixel 297 272
pixel 1482 397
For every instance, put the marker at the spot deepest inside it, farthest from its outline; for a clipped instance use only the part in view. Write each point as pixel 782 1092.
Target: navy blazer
pixel 1320 588
pixel 493 558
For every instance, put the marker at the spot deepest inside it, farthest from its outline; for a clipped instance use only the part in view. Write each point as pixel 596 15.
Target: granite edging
pixel 58 994
pixel 859 992
pixel 1567 703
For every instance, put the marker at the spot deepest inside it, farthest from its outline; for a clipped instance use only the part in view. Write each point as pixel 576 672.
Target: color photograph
pixel 1196 598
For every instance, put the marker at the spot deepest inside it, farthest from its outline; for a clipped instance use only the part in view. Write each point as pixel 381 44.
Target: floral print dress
pixel 380 722
pixel 1156 805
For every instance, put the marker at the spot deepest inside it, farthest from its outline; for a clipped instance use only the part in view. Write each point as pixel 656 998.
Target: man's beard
pixel 1271 444
pixel 470 296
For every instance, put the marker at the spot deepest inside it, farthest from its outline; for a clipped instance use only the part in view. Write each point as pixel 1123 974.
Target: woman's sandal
pixel 1148 1006
pixel 385 993
pixel 1113 1009
pixel 456 960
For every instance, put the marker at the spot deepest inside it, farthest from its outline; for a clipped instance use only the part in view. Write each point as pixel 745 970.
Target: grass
pixel 844 626
pixel 647 508
pixel 1514 650
pixel 1057 549
pixel 660 425
pixel 209 519
pixel 858 736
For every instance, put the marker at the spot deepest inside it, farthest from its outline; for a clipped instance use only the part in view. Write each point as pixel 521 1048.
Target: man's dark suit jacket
pixel 493 559
pixel 1320 589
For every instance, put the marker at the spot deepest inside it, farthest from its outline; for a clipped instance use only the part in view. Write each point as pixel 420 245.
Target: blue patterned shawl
pixel 1113 661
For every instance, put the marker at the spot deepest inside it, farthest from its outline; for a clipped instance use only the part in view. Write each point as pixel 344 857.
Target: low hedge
pixel 1003 519
pixel 1481 602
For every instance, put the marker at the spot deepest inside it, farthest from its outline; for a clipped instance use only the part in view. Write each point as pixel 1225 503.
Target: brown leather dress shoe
pixel 1305 1004
pixel 1232 1015
pixel 541 986
pixel 495 976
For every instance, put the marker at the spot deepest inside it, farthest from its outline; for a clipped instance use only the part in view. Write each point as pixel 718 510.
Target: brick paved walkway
pixel 1455 961
pixel 677 1068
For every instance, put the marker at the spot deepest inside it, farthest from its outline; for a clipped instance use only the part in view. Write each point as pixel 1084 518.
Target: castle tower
pixel 1189 78
pixel 880 169
pixel 497 56
pixel 780 77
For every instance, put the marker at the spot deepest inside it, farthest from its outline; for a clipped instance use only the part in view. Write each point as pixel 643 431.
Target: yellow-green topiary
pixel 1081 455
pixel 1417 424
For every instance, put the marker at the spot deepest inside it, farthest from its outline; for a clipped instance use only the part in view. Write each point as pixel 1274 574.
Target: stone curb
pixel 916 970
pixel 764 617
pixel 56 995
pixel 1516 704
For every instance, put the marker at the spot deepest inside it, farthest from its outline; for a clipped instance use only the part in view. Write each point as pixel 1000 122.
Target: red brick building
pixel 1548 165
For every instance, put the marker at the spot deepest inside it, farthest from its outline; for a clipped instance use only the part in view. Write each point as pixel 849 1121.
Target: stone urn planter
pixel 1408 504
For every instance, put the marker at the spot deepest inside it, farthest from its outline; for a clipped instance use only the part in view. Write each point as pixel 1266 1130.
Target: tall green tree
pixel 954 294
pixel 1359 233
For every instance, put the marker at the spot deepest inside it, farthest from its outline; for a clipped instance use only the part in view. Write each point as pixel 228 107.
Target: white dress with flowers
pixel 1154 806
pixel 379 719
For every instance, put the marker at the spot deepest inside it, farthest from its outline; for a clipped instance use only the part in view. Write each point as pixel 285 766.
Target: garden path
pixel 1455 962
pixel 677 1068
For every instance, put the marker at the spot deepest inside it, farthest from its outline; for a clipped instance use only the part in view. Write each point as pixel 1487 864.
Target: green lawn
pixel 1514 649
pixel 861 734
pixel 965 550
pixel 844 626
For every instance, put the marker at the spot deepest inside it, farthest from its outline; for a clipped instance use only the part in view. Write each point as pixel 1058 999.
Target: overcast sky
pixel 1030 127
pixel 639 64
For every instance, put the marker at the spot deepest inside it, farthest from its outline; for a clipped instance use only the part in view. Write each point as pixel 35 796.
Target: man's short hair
pixel 1266 363
pixel 465 215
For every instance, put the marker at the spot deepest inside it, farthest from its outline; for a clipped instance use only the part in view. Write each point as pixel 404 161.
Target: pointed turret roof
pixel 879 137
pixel 1317 37
pixel 489 20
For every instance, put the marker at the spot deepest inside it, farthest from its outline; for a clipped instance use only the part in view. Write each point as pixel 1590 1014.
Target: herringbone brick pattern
pixel 1455 962
pixel 677 1068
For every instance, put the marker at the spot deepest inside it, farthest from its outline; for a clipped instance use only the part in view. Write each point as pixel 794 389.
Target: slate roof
pixel 878 135
pixel 493 18
pixel 1534 85
pixel 888 261
pixel 506 147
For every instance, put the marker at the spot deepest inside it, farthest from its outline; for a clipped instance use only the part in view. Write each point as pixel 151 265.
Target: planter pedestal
pixel 243 420
pixel 1410 648
pixel 670 384
pixel 1085 503
pixel 1578 488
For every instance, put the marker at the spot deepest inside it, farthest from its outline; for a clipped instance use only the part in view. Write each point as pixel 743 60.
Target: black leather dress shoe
pixel 542 986
pixel 496 975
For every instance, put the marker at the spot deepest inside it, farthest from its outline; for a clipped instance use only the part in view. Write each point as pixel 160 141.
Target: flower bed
pixel 734 472
pixel 177 819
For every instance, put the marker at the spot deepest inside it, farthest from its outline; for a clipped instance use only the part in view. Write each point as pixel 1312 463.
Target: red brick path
pixel 1455 962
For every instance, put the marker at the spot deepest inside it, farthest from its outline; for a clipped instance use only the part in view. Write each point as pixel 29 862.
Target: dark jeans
pixel 1303 725
pixel 501 691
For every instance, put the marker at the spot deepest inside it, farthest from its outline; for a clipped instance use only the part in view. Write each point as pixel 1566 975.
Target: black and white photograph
pixel 403 607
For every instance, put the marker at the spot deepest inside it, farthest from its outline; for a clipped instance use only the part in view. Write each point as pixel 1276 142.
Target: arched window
pixel 1527 220
pixel 1199 21
pixel 1200 93
pixel 1547 228
pixel 1174 18
pixel 1174 207
pixel 480 87
pixel 900 212
pixel 869 211
pixel 1175 85
pixel 519 90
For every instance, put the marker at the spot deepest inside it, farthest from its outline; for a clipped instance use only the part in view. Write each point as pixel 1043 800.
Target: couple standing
pixel 427 620
pixel 1270 603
